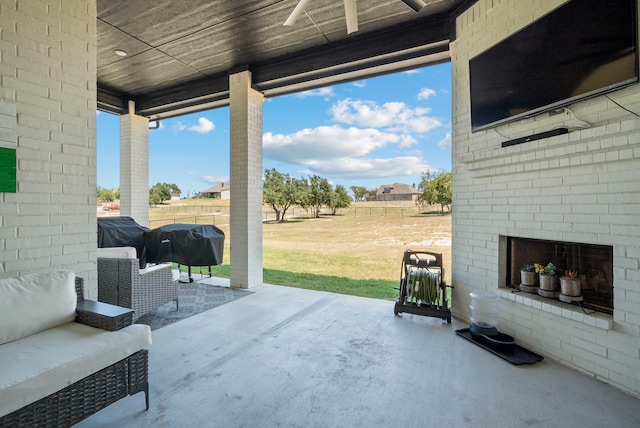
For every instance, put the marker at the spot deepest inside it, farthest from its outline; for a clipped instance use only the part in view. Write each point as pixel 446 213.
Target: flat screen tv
pixel 581 49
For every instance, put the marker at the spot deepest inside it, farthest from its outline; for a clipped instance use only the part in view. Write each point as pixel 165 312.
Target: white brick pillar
pixel 134 166
pixel 246 181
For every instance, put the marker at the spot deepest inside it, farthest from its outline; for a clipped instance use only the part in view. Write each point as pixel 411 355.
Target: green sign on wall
pixel 7 170
pixel 8 145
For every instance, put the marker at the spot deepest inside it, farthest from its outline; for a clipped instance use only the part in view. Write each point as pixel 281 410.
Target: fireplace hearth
pixel 594 264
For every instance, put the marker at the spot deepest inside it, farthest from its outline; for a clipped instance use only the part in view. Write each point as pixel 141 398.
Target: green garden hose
pixel 423 286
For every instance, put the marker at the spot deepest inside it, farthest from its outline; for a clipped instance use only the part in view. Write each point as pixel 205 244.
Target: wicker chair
pixel 121 282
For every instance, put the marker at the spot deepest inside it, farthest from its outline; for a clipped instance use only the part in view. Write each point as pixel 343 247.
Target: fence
pixel 219 216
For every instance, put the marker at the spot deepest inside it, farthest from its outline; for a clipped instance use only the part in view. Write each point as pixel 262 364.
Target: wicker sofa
pixel 121 281
pixel 65 358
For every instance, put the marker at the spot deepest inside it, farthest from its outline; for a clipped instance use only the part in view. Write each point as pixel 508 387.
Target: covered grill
pixel 187 244
pixel 122 232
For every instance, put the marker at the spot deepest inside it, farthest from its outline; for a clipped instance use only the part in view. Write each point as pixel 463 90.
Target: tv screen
pixel 581 49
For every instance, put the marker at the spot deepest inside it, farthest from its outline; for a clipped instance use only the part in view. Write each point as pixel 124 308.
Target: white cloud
pixel 343 152
pixel 204 126
pixel 370 168
pixel 426 93
pixel 322 92
pixel 414 71
pixel 445 142
pixel 393 116
pixel 179 126
pixel 214 179
pixel 360 84
pixel 333 141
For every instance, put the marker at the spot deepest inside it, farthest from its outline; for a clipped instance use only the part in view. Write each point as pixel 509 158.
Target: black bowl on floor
pixel 499 342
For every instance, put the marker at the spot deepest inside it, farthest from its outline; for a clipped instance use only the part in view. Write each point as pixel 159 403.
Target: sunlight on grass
pixel 355 287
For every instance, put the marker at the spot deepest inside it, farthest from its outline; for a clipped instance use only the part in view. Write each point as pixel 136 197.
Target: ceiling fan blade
pixel 351 15
pixel 416 5
pixel 300 7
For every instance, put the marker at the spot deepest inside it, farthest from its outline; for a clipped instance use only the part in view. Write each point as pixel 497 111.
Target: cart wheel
pixel 395 308
pixel 449 319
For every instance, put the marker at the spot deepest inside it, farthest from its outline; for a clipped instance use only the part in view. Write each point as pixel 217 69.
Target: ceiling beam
pixel 417 43
pixel 112 101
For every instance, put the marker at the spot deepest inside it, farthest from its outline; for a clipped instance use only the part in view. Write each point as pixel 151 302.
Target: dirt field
pixel 355 247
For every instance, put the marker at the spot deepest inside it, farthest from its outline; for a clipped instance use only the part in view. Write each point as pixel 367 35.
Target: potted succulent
pixel 528 276
pixel 571 284
pixel 547 276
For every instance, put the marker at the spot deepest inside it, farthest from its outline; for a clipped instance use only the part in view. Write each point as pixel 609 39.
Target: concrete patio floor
pixel 285 357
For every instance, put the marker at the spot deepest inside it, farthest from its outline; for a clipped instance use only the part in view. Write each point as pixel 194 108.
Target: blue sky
pixel 383 130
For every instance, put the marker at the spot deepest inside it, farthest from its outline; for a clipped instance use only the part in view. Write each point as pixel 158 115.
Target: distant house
pixel 219 191
pixel 397 192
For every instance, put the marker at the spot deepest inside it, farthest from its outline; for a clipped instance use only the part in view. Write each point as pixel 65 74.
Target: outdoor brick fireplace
pixel 570 199
pixel 594 264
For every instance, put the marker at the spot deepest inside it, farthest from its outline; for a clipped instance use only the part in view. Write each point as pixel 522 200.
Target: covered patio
pixel 297 358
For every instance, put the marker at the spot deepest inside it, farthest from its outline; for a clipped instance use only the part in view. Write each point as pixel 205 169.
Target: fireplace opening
pixel 593 263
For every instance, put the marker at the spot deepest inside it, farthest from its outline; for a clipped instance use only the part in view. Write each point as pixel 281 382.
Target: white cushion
pixel 153 268
pixel 175 273
pixel 36 302
pixel 117 253
pixel 39 365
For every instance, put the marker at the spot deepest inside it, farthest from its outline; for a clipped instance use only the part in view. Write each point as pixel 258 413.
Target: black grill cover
pixel 122 232
pixel 187 244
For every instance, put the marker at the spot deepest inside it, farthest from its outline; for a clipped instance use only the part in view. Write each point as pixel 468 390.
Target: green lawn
pixel 357 252
pixel 375 288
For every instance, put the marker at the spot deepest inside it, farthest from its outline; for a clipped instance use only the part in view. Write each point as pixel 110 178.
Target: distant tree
pixel 281 191
pixel 161 192
pixel 436 190
pixel 106 195
pixel 359 192
pixel 154 198
pixel 174 188
pixel 339 199
pixel 372 193
pixel 317 195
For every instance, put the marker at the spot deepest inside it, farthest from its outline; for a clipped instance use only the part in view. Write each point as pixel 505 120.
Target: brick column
pixel 134 166
pixel 246 181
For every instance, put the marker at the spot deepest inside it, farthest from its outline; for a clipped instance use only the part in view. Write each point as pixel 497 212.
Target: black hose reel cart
pixel 423 290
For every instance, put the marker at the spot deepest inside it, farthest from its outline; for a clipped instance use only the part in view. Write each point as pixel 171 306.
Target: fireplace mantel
pixel 564 310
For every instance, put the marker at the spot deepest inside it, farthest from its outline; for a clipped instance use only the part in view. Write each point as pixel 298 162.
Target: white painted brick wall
pixel 134 168
pixel 580 187
pixel 246 176
pixel 48 72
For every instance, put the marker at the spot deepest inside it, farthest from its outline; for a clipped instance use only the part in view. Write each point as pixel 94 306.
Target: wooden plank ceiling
pixel 179 53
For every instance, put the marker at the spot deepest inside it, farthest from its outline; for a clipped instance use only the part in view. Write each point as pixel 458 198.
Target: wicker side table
pixel 103 315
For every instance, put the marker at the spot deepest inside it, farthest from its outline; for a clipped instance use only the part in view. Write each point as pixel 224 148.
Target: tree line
pixel 158 193
pixel 282 191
